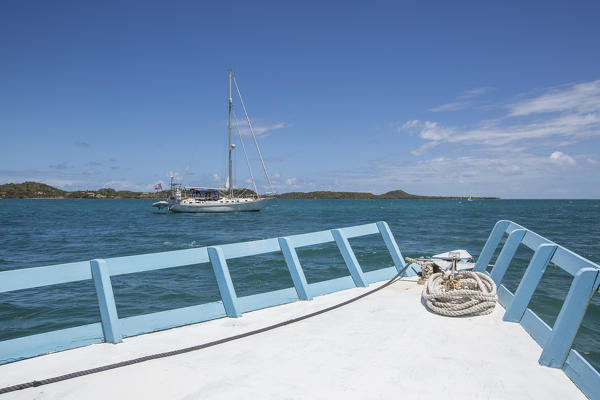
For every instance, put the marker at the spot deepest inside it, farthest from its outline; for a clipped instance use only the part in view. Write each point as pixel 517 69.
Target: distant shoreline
pixel 276 198
pixel 394 194
pixel 35 190
pixel 383 197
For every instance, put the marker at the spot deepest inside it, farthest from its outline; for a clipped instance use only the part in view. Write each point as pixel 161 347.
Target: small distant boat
pixel 470 199
pixel 161 204
pixel 211 200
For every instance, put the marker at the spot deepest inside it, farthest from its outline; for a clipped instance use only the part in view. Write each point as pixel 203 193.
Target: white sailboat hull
pixel 219 206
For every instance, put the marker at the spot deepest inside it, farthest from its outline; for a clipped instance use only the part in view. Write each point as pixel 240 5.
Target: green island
pixel 35 190
pixel 394 194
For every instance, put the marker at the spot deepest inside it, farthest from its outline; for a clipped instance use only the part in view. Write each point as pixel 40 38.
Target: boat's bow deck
pixel 383 346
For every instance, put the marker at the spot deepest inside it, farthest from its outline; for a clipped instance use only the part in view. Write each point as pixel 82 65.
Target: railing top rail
pixel 27 278
pixel 564 258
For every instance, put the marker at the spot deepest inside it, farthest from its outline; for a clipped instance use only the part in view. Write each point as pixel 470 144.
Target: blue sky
pixel 437 98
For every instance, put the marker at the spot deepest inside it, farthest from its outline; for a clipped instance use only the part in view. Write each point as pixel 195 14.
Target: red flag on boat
pixel 158 186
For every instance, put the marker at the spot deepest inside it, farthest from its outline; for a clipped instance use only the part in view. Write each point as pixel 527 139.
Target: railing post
pixel 529 282
pixel 106 301
pixel 506 254
pixel 219 264
pixel 569 318
pixel 349 257
pixel 490 246
pixel 391 245
pixel 293 264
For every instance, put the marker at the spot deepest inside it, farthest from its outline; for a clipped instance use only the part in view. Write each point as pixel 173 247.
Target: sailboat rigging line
pixel 253 136
pixel 237 126
pixel 229 147
pixel 108 367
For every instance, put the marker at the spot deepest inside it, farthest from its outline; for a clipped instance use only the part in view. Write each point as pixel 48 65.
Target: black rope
pixel 90 371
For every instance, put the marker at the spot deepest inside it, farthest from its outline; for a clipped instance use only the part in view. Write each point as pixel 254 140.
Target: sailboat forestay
pixel 214 200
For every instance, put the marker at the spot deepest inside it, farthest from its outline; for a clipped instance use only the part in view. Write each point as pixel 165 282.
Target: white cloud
pixel 573 126
pixel 434 131
pixel 72 180
pixel 410 124
pixel 422 149
pixel 62 165
pixel 452 106
pixel 467 94
pixel 67 184
pixel 281 185
pixel 466 99
pixel 581 98
pixel 59 179
pixel 260 129
pixel 559 117
pixel 506 175
pixel 507 170
pixel 562 159
pixel 125 185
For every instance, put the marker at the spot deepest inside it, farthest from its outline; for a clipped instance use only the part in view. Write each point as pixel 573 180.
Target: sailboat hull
pixel 219 207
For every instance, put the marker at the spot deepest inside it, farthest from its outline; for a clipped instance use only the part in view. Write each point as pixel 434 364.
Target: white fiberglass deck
pixel 382 346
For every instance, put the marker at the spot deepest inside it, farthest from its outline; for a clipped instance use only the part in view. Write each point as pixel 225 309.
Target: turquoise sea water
pixel 44 232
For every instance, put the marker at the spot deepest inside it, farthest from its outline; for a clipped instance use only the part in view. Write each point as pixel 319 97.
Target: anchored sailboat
pixel 209 200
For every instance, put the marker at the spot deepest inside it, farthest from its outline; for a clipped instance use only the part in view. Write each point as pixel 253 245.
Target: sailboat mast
pixel 230 180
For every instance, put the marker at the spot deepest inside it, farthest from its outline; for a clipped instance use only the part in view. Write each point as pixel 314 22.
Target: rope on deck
pixel 428 268
pixel 90 371
pixel 463 293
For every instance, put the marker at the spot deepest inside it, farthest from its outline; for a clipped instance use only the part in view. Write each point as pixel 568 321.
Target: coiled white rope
pixel 463 293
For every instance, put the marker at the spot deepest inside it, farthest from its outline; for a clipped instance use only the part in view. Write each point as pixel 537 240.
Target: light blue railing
pixel 112 328
pixel 557 341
